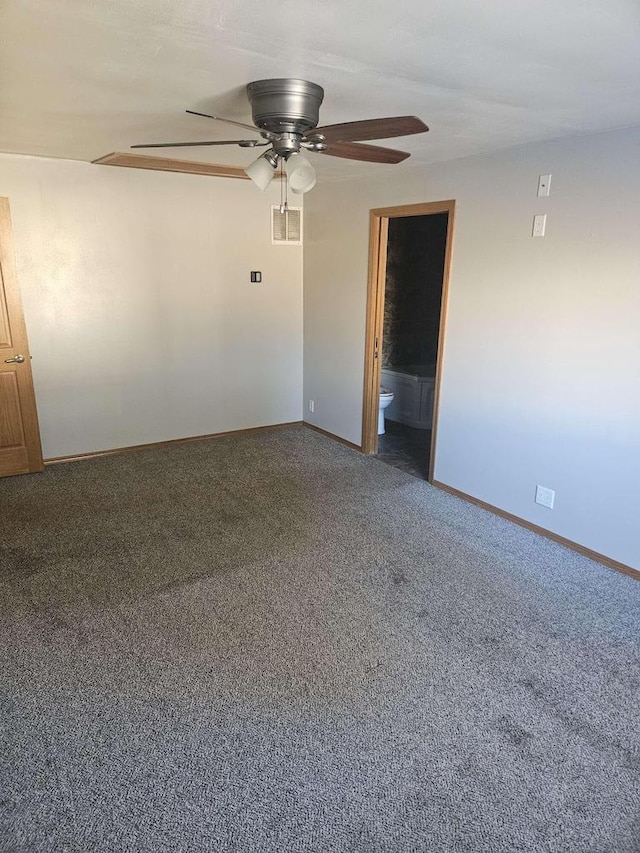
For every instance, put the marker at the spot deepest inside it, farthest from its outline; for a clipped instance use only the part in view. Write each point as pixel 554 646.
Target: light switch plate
pixel 544 186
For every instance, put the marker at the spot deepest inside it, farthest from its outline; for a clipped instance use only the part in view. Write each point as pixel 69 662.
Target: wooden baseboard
pixel 158 445
pixel 568 543
pixel 333 437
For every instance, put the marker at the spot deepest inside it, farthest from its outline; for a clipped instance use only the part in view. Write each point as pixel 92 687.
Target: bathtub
pixel 413 387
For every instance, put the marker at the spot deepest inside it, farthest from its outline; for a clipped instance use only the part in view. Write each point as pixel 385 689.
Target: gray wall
pixel 142 321
pixel 541 365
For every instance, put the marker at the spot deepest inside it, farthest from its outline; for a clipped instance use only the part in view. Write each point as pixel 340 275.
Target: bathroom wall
pixel 142 320
pixel 541 361
pixel 413 289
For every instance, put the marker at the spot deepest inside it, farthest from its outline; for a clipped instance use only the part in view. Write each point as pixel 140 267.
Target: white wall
pixel 142 322
pixel 541 379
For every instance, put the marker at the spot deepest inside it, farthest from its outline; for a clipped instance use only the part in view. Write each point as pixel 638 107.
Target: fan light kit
pixel 285 113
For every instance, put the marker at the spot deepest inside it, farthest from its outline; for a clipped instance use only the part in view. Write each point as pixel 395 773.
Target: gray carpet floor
pixel 272 643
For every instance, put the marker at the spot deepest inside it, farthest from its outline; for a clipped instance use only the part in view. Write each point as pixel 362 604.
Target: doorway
pixel 409 262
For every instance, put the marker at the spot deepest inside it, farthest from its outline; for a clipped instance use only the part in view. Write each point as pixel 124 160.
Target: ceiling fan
pixel 285 113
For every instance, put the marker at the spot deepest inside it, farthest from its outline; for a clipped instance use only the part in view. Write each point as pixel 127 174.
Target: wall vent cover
pixel 286 228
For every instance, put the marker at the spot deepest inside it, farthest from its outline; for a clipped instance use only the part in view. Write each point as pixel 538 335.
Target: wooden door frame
pixel 378 236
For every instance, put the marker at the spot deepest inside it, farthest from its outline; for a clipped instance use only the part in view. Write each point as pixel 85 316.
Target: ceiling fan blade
pixel 370 153
pixel 372 128
pixel 227 120
pixel 243 143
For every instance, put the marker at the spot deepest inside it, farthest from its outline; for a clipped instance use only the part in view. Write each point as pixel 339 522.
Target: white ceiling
pixel 83 78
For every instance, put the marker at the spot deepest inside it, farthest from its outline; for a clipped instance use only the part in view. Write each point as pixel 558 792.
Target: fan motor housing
pixel 285 105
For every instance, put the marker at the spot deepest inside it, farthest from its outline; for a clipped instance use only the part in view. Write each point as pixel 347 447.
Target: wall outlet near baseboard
pixel 312 405
pixel 545 497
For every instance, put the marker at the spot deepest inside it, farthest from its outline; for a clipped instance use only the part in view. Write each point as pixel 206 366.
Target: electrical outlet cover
pixel 539 225
pixel 545 497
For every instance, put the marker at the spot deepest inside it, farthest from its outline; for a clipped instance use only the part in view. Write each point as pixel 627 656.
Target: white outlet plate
pixel 545 496
pixel 539 225
pixel 312 405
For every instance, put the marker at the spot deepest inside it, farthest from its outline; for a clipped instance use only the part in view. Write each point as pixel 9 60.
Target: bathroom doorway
pixel 409 261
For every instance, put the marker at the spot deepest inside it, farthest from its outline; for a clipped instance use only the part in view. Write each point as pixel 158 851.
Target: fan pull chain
pixel 284 188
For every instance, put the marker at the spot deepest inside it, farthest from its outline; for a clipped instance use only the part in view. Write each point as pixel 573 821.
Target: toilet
pixel 386 398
